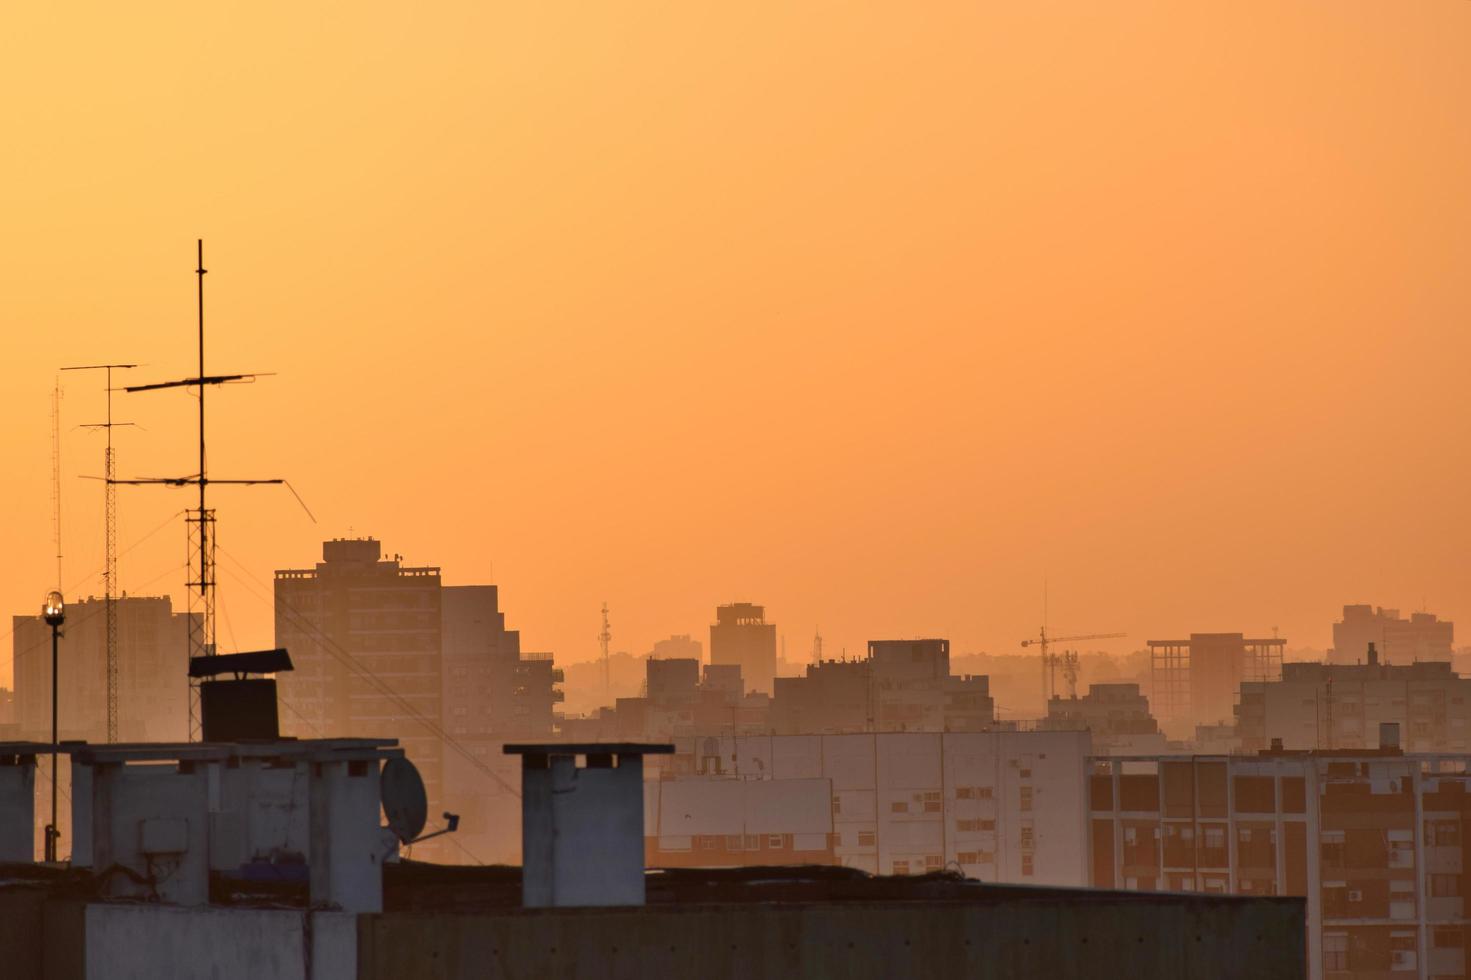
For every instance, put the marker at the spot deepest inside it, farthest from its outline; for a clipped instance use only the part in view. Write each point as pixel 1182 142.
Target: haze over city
pixel 1148 302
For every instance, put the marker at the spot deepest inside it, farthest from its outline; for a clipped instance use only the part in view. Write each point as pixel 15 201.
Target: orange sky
pixel 874 313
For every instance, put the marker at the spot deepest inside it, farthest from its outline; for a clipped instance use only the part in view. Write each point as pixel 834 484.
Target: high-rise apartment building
pixel 741 635
pixel 153 672
pixel 1399 641
pixel 364 633
pixel 382 649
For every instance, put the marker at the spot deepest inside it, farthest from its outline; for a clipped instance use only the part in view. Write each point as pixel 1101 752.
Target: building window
pixel 901 867
pixel 1445 886
pixel 984 792
pixel 774 841
pixel 1335 952
pixel 965 792
pixel 1027 867
pixel 1442 833
pixel 898 806
pixel 866 838
pixel 932 862
pixel 837 804
pixel 1449 937
pixel 967 857
pixel 1026 801
pixel 1332 841
pixel 932 803
pixel 1026 774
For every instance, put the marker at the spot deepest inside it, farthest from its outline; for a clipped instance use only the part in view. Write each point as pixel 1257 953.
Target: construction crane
pixel 1048 662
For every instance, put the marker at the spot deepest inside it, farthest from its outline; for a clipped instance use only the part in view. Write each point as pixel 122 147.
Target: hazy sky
pixel 875 313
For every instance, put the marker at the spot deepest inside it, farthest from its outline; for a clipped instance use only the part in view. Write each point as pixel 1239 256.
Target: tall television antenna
pixel 109 541
pixel 605 640
pixel 200 521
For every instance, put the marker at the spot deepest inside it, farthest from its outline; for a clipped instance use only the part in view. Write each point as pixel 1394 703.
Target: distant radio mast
pixel 109 542
pixel 605 640
pixel 201 520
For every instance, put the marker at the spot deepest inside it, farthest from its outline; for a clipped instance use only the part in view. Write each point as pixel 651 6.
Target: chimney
pixel 1373 656
pixel 1389 735
pixel 582 827
pixel 239 708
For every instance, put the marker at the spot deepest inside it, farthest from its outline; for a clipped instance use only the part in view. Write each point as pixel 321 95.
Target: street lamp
pixel 54 613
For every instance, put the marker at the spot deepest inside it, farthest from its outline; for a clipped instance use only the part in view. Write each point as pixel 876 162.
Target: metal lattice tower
pixel 605 641
pixel 109 543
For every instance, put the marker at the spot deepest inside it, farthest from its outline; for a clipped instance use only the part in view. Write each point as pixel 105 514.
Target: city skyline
pixel 756 490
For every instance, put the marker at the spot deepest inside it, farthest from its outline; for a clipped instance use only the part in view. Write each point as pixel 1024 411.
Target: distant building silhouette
pixel 682 647
pixel 1117 715
pixel 903 685
pixel 364 633
pixel 490 686
pixel 385 649
pixel 1399 641
pixel 1196 681
pixel 153 672
pixel 740 635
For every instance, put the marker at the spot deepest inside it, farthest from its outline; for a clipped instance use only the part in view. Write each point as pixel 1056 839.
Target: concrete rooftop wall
pixel 1068 936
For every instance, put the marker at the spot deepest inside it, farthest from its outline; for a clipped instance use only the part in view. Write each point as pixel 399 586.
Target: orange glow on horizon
pixel 874 316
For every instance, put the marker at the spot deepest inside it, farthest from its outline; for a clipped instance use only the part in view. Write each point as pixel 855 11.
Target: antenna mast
pixel 109 543
pixel 605 639
pixel 201 521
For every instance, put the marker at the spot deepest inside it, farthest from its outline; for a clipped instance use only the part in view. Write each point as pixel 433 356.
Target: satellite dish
pixel 405 803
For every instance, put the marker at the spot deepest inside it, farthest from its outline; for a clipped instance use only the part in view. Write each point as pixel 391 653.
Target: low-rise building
pixel 998 806
pixel 1341 706
pixel 1117 715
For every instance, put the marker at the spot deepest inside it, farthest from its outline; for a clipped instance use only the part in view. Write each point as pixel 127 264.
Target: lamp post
pixel 54 613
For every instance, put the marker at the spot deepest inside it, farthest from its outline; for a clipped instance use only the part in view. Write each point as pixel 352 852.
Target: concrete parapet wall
pixel 158 942
pixel 1079 936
